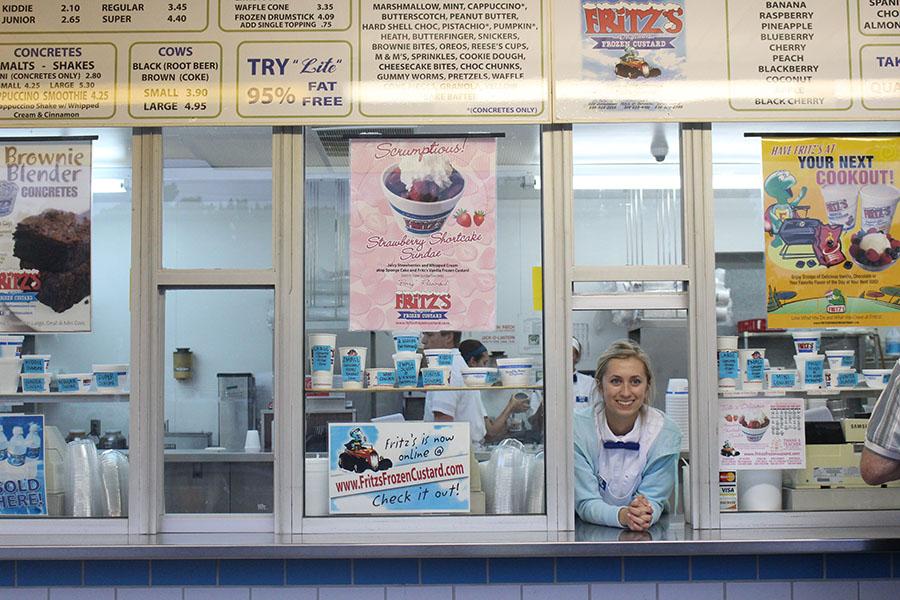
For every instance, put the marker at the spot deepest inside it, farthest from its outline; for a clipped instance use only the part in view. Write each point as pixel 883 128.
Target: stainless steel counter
pixel 191 456
pixel 587 540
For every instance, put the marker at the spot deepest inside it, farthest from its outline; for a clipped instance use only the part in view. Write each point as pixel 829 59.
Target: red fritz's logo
pixel 422 307
pixel 627 18
pixel 16 280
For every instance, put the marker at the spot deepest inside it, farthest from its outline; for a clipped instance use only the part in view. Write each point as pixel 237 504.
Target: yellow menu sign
pixel 832 239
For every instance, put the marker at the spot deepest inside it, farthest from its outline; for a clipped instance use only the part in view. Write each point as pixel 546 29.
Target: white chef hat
pixel 576 344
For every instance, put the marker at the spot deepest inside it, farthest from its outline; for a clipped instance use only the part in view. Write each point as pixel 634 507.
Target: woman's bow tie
pixel 624 445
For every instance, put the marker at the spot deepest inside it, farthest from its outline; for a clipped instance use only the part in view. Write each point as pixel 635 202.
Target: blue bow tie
pixel 623 445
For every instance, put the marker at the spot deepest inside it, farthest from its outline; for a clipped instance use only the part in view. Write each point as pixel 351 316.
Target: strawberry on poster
pixel 423 232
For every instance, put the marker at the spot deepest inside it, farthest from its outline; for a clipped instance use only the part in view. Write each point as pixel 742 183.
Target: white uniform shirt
pixel 585 391
pixel 461 405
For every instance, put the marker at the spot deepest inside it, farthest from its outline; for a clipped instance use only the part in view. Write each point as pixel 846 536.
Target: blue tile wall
pixel 251 572
pixel 48 573
pixel 582 569
pixel 183 572
pixel 723 568
pixel 454 570
pixel 657 568
pixel 383 571
pixel 307 574
pixel 791 566
pixel 858 566
pixel 520 570
pixel 318 571
pixel 116 572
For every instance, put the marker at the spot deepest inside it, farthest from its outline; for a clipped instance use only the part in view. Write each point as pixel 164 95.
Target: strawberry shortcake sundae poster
pixel 423 232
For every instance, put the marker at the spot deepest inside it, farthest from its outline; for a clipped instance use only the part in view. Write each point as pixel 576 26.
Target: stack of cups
pixel 321 359
pixel 82 479
pixel 353 366
pixel 727 360
pixel 251 441
pixel 753 368
pixel 810 370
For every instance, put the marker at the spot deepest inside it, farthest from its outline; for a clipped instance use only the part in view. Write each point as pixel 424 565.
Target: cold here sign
pixel 22 482
pixel 408 468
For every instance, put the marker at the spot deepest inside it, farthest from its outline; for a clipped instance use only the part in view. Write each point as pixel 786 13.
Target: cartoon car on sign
pixel 632 66
pixel 360 455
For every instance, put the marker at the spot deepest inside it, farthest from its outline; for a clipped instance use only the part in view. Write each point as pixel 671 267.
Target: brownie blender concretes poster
pixel 45 235
pixel 423 228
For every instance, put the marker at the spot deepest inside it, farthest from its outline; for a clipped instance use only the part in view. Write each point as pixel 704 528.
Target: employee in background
pixel 880 462
pixel 476 355
pixel 626 452
pixel 454 405
pixel 585 390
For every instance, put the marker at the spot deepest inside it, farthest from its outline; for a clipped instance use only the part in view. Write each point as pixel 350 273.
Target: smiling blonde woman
pixel 626 452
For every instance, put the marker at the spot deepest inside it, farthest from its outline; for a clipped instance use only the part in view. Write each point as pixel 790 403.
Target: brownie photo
pixel 55 241
pixel 58 244
pixel 62 291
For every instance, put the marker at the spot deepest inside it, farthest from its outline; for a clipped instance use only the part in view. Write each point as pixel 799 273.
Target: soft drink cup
pixel 321 359
pixel 353 366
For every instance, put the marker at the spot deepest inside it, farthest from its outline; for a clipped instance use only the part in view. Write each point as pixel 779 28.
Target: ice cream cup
pixel 754 435
pixel 36 363
pixel 753 365
pixel 9 374
pixel 440 357
pixel 435 376
pixel 353 365
pixel 807 342
pixel 878 204
pixel 840 204
pixel 515 371
pixel 877 378
pixel 380 378
pixel 729 367
pixel 35 383
pixel 74 383
pixel 781 379
pixel 11 345
pixel 838 359
pixel 419 218
pixel 811 370
pixel 321 359
pixel 727 342
pixel 407 366
pixel 841 378
pixel 406 342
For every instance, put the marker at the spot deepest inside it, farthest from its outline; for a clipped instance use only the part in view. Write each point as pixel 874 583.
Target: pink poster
pixel 423 232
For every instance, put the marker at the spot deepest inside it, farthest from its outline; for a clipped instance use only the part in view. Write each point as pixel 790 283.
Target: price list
pixel 57 81
pixel 294 79
pixel 286 15
pixel 175 80
pixel 789 55
pixel 48 16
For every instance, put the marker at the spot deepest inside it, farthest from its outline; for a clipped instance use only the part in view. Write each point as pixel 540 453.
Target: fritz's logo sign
pixel 421 306
pixel 641 25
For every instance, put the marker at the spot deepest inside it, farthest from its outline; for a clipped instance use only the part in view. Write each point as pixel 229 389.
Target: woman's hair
pixel 471 350
pixel 625 349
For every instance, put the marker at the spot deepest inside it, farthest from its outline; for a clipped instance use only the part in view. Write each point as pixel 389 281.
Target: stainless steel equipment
pixel 237 408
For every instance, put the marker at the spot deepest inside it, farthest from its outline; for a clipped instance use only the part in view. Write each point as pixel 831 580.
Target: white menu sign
pixel 761 433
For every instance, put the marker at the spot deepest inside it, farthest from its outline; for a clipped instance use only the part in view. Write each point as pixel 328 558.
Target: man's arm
pixel 876 469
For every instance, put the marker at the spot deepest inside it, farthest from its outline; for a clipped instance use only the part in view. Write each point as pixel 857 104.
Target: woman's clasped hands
pixel 638 515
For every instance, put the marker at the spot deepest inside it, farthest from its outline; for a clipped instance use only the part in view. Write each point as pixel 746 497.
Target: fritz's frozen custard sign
pixel 423 230
pixel 639 25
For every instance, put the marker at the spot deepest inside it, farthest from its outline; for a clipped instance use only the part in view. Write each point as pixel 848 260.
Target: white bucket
pixel 515 371
pixel 435 376
pixel 321 359
pixel 380 378
pixel 36 363
pixel 35 383
pixel 406 364
pixel 110 378
pixel 353 366
pixel 9 375
pixel 11 345
pixel 74 383
pixel 440 357
pixel 759 490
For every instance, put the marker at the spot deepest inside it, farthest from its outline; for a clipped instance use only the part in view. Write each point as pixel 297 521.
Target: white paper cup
pixel 840 359
pixel 406 364
pixel 440 357
pixel 251 441
pixel 727 342
pixel 321 359
pixel 840 204
pixel 406 342
pixel 878 204
pixel 807 342
pixel 729 366
pixel 111 378
pixel 36 363
pixel 753 368
pixel 380 378
pixel 11 345
pixel 810 370
pixel 477 376
pixel 435 377
pixel 9 375
pixel 74 383
pixel 353 366
pixel 841 378
pixel 35 383
pixel 515 371
pixel 759 490
pixel 781 379
pixel 877 378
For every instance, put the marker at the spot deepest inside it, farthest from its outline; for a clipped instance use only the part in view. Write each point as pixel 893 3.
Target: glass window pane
pixel 835 415
pixel 103 418
pixel 627 185
pixel 217 197
pixel 506 419
pixel 612 411
pixel 218 398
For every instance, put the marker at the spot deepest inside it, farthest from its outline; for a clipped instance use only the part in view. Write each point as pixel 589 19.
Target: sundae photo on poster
pixel 832 240
pixel 423 233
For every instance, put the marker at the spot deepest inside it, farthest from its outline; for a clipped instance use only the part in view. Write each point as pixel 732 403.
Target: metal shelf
pixel 842 393
pixel 33 398
pixel 418 389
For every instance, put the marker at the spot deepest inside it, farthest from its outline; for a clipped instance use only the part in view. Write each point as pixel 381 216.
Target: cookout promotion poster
pixel 45 235
pixel 761 433
pixel 831 232
pixel 23 489
pixel 398 467
pixel 423 233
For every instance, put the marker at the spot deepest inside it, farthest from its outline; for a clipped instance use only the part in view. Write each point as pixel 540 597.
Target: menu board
pixel 761 433
pixel 293 61
pixel 725 60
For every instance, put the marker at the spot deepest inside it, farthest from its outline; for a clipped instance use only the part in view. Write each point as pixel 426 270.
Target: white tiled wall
pixel 758 590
